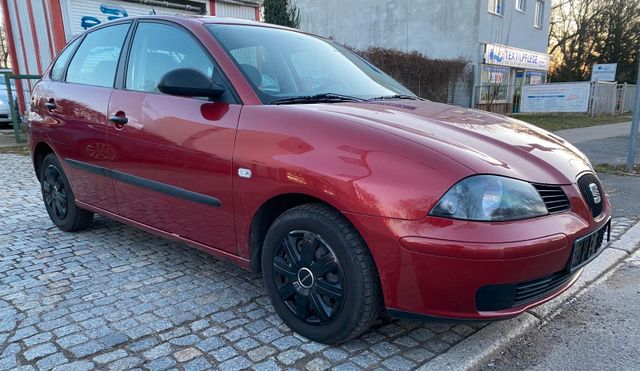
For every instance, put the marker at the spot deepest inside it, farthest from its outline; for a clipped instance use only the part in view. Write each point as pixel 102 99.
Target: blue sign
pixel 112 12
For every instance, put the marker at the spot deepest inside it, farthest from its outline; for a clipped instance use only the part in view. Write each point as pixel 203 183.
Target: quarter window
pixel 57 71
pixel 159 48
pixel 96 61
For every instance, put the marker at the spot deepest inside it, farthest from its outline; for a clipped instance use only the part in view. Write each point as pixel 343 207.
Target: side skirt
pixel 219 254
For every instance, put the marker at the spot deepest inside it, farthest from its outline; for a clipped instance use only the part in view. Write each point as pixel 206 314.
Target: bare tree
pixel 4 52
pixel 584 32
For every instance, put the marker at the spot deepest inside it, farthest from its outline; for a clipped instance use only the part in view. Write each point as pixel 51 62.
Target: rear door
pixel 73 106
pixel 173 169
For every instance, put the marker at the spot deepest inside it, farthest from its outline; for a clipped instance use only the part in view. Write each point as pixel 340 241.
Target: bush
pixel 426 77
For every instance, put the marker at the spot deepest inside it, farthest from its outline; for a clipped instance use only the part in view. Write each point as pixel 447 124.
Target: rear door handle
pixel 119 120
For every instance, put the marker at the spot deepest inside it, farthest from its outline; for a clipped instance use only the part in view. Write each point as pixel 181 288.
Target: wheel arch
pixel 40 151
pixel 266 214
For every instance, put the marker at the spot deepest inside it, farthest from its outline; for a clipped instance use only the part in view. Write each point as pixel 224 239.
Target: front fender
pixel 353 167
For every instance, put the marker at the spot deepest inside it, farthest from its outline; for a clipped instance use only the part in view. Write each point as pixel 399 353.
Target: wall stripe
pixel 47 12
pixel 34 36
pixel 57 24
pixel 13 16
pixel 10 39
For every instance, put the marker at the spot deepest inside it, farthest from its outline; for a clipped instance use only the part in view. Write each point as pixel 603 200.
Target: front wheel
pixel 58 197
pixel 320 275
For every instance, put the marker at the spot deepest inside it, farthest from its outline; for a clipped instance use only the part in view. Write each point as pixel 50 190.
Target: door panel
pixel 173 168
pixel 76 129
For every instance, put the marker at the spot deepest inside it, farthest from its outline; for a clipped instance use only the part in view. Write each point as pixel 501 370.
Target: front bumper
pixel 446 268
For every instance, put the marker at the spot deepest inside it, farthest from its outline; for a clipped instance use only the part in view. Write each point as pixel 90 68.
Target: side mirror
pixel 191 83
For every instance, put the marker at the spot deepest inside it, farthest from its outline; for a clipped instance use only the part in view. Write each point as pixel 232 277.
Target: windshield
pixel 282 64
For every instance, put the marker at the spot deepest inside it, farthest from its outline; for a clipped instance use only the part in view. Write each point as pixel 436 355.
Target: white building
pixel 505 41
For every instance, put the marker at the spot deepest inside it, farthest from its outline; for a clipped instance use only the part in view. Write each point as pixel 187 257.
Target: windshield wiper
pixel 318 98
pixel 396 96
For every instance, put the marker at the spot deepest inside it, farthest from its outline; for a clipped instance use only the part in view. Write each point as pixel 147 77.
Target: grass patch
pixel 554 122
pixel 618 169
pixel 17 150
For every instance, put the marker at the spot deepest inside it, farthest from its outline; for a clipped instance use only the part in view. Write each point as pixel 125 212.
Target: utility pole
pixel 634 125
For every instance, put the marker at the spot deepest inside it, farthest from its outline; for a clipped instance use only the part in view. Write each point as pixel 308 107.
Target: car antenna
pixel 153 11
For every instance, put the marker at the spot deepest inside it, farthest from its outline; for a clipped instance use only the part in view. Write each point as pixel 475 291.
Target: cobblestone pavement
pixel 114 297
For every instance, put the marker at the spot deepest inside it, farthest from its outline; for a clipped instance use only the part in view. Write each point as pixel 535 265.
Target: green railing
pixel 14 109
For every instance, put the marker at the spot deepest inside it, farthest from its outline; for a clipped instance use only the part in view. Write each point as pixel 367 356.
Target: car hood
pixel 484 142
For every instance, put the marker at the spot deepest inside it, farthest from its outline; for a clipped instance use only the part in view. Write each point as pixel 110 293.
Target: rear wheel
pixel 319 274
pixel 58 197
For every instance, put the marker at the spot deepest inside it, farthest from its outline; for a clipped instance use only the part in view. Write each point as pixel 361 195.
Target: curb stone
pixel 629 240
pixel 471 352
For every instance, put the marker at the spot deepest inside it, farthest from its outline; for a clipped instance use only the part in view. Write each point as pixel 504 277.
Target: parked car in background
pixel 287 154
pixel 5 106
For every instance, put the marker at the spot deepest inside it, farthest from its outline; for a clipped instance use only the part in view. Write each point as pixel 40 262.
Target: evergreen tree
pixel 281 12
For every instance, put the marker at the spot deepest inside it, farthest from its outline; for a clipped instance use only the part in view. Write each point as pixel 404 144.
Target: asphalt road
pixel 598 331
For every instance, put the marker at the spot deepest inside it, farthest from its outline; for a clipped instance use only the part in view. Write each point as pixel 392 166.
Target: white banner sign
pixel 503 55
pixel 604 72
pixel 561 97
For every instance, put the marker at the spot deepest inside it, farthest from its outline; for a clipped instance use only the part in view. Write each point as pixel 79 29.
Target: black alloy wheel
pixel 320 275
pixel 309 277
pixel 54 192
pixel 59 199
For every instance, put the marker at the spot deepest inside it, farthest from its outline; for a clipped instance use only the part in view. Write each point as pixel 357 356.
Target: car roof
pixel 187 18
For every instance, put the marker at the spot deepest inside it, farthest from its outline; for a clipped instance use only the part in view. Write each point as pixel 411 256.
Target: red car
pixel 287 154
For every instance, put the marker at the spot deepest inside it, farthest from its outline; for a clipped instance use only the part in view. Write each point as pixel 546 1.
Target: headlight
pixel 490 198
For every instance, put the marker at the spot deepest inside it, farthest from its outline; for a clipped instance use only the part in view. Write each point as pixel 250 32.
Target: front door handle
pixel 118 120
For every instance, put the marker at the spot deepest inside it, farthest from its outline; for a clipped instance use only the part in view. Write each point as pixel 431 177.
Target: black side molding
pixel 146 183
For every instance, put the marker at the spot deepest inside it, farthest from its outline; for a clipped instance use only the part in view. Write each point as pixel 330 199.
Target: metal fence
pixel 603 98
pixel 600 98
pixel 626 98
pixel 18 89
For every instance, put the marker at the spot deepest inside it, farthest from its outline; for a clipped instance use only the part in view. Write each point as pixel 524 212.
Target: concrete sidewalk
pixel 7 138
pixel 596 331
pixel 603 144
pixel 581 135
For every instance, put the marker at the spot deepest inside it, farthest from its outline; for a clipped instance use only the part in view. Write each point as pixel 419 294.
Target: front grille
pixel 553 197
pixel 500 297
pixel 584 183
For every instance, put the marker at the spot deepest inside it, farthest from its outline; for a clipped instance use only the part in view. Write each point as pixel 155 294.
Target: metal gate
pixel 603 98
pixel 626 98
pixel 18 92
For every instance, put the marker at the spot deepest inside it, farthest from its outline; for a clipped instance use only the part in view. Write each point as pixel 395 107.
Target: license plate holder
pixel 586 248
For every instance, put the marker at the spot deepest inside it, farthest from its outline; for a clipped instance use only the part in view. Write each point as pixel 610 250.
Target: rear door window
pixel 96 61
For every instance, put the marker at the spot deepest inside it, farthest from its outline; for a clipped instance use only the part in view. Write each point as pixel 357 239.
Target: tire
pixel 319 274
pixel 59 199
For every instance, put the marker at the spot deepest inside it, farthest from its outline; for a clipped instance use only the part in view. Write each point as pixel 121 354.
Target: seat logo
pixel 595 192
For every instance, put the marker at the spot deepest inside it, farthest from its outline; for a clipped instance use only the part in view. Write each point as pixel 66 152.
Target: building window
pixel 521 5
pixel 496 7
pixel 539 17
